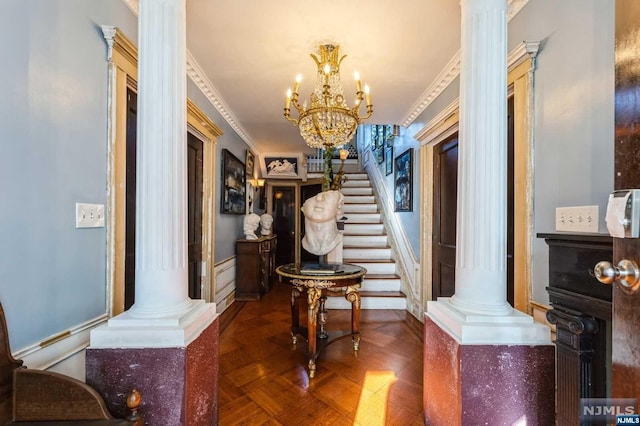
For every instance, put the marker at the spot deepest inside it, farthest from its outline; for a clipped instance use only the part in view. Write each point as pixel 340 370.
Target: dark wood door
pixel 194 213
pixel 445 190
pixel 626 307
pixel 284 226
pixel 130 201
pixel 510 202
pixel 306 192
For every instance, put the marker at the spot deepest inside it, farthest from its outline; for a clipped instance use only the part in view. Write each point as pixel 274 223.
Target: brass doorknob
pixel 626 273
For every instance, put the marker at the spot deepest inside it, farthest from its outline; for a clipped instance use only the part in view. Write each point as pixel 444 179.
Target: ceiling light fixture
pixel 328 121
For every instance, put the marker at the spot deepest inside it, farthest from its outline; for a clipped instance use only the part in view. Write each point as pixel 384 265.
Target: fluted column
pixel 482 169
pixel 161 191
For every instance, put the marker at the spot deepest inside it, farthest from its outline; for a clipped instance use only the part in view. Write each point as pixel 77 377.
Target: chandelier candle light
pixel 328 122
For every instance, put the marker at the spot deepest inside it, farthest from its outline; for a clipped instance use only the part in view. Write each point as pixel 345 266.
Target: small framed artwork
pixel 388 160
pixel 283 166
pixel 233 184
pixel 380 154
pixel 374 137
pixel 403 178
pixel 249 163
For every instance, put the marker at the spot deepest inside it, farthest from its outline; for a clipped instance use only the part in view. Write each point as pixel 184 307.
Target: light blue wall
pixel 574 123
pixel 53 153
pixel 574 111
pixel 228 227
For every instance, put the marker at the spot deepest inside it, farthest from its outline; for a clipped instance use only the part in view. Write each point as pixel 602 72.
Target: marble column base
pixel 179 385
pixel 486 384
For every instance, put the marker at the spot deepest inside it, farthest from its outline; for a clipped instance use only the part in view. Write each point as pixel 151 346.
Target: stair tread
pixel 368 261
pixel 381 277
pixel 363 235
pixel 367 246
pixel 363 223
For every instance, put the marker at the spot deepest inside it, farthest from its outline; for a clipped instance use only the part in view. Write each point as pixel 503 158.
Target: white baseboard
pixel 62 352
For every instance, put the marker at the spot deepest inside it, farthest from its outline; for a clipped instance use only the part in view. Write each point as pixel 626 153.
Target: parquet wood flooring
pixel 264 380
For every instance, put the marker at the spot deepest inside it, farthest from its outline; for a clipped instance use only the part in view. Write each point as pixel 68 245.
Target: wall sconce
pixel 256 183
pixel 344 153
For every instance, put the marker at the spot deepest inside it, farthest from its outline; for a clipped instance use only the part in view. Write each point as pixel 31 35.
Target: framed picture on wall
pixel 233 184
pixel 388 160
pixel 380 154
pixel 249 163
pixel 403 178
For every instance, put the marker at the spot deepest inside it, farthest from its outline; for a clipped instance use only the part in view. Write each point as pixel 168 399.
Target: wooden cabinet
pixel 255 265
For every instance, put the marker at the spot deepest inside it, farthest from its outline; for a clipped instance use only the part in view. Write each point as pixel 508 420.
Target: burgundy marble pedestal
pixel 486 384
pixel 179 385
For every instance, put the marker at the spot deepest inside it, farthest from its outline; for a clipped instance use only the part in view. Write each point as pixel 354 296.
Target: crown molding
pixel 449 73
pixel 133 5
pixel 198 76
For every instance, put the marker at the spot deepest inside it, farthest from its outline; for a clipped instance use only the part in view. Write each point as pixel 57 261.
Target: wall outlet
pixel 89 215
pixel 577 219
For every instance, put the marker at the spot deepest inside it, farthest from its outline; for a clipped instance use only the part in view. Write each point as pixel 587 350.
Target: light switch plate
pixel 577 219
pixel 89 215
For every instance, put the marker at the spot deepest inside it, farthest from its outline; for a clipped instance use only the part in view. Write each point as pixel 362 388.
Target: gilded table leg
pixel 322 318
pixel 295 314
pixel 353 297
pixel 313 294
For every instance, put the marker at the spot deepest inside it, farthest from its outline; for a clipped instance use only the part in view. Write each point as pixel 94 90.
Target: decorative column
pixel 165 341
pixel 161 187
pixel 481 239
pixel 485 363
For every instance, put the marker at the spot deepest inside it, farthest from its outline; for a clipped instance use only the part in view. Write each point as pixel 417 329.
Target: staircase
pixel 366 244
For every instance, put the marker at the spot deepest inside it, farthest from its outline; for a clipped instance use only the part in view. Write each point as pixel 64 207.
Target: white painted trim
pixel 406 259
pixel 198 76
pixel 175 330
pixel 133 5
pixel 224 274
pixel 424 135
pixel 441 82
pixel 42 357
pixel 515 328
pixel 450 71
pixel 526 49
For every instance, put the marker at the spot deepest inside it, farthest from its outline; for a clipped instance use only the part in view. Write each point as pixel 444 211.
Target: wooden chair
pixel 31 397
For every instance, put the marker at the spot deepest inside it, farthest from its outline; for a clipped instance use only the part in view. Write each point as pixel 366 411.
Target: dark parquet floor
pixel 264 380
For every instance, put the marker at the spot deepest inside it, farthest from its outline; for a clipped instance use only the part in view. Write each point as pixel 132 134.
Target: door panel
pixel 284 225
pixel 130 201
pixel 626 312
pixel 195 150
pixel 445 158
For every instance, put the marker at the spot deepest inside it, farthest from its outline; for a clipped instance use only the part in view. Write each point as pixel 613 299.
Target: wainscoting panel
pixel 225 283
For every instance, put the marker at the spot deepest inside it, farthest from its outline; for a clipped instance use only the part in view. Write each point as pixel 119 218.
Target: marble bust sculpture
pixel 266 221
pixel 321 231
pixel 250 225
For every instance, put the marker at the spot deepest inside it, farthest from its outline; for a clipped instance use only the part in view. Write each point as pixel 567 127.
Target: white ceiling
pixel 251 51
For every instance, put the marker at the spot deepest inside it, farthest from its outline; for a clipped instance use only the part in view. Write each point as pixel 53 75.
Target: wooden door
pixel 284 226
pixel 306 192
pixel 195 151
pixel 130 201
pixel 626 307
pixel 510 199
pixel 445 190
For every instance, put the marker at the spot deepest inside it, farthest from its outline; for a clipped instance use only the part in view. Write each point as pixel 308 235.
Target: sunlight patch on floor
pixel 372 406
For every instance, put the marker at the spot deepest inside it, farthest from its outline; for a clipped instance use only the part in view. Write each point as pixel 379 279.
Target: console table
pixel 314 279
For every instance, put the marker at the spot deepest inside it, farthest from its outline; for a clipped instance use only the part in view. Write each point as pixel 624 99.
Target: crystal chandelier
pixel 328 121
